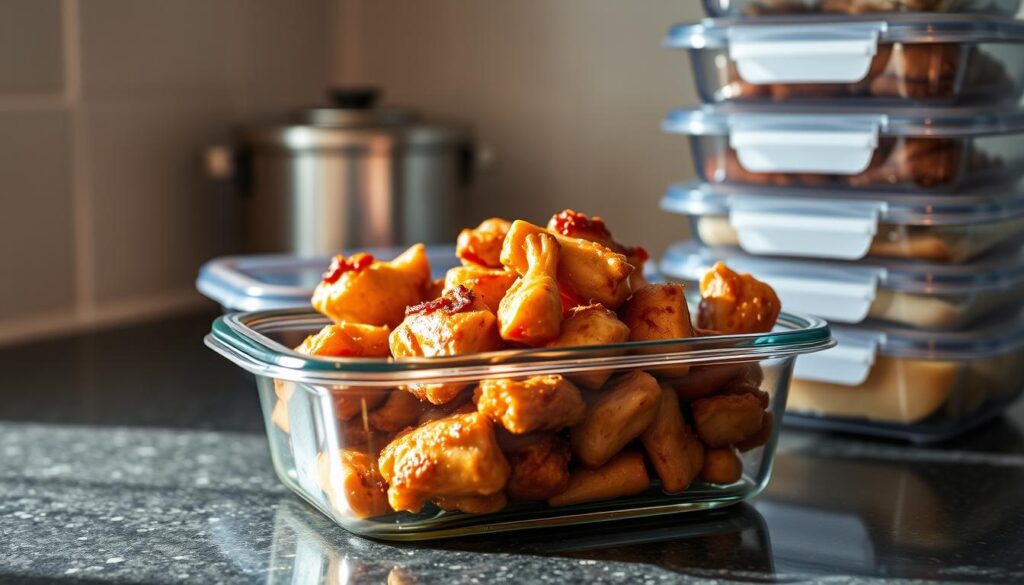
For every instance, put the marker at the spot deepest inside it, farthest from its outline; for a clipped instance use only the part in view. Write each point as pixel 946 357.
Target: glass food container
pixel 926 151
pixel 279 281
pixel 325 419
pixel 753 8
pixel 908 384
pixel 920 60
pixel 851 226
pixel 901 292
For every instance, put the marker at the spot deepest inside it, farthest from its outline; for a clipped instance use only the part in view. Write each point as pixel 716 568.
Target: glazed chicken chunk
pixel 659 312
pixel 578 225
pixel 481 246
pixel 360 289
pixel 352 483
pixel 348 340
pixel 736 303
pixel 540 465
pixel 488 284
pixel 591 325
pixel 541 403
pixel 456 323
pixel 588 271
pixel 455 456
pixel 531 311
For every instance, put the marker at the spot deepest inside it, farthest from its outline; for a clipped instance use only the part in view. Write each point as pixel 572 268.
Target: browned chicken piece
pixel 721 466
pixel 461 404
pixel 658 312
pixel 454 456
pixel 400 410
pixel 352 400
pixel 361 289
pixel 727 419
pixel 741 386
pixel 279 416
pixel 759 438
pixel 434 289
pixel 481 246
pixel 472 504
pixel 625 475
pixel 456 323
pixel 588 271
pixel 352 483
pixel 488 284
pixel 736 303
pixel 673 448
pixel 540 465
pixel 619 414
pixel 591 325
pixel 540 403
pixel 578 225
pixel 704 381
pixel 347 339
pixel 530 313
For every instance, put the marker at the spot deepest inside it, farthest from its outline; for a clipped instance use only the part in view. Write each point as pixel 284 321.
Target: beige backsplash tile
pixel 36 265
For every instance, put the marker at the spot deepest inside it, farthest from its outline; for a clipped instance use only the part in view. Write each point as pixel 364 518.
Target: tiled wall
pixel 105 107
pixel 569 93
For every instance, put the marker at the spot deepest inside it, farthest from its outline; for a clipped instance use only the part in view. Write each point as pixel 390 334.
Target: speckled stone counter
pixel 185 493
pixel 94 504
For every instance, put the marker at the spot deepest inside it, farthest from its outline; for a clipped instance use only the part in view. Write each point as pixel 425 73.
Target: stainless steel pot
pixel 352 175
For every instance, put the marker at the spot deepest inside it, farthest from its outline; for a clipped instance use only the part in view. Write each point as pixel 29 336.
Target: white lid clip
pixel 848 363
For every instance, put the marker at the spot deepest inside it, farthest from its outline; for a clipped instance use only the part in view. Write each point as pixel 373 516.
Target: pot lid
pixel 355 121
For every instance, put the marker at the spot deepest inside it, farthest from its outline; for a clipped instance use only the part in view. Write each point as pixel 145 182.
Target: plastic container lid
pixel 787 138
pixel 774 220
pixel 844 291
pixel 829 49
pixel 256 283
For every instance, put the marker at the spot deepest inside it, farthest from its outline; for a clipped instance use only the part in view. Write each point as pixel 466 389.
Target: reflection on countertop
pixel 107 503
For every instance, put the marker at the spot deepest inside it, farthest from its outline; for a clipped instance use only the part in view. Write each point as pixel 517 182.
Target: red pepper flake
pixel 578 225
pixel 452 302
pixel 340 265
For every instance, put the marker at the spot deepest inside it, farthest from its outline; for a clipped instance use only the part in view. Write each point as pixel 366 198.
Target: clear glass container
pixel 755 8
pixel 771 221
pixel 328 418
pixel 929 151
pixel 907 384
pixel 922 60
pixel 900 292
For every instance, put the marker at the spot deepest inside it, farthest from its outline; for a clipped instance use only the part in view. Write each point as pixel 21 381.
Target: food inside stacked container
pixel 864 158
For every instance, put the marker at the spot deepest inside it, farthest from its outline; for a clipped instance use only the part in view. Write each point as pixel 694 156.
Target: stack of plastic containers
pixel 865 158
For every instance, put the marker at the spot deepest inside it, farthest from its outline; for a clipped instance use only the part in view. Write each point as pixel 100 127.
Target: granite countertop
pixel 118 463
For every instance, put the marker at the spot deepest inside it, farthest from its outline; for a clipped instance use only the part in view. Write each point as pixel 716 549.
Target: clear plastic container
pixel 901 292
pixel 922 60
pixel 851 226
pixel 908 384
pixel 279 281
pixel 327 419
pixel 754 8
pixel 918 151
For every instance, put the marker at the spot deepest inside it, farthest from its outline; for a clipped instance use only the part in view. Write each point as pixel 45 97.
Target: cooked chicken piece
pixel 741 386
pixel 578 225
pixel 279 416
pixel 591 325
pixel 488 284
pixel 358 434
pixel 721 466
pixel 658 312
pixel 352 483
pixel 759 438
pixel 482 246
pixel 360 289
pixel 589 271
pixel 434 289
pixel 625 475
pixel 453 324
pixel 472 504
pixel 531 311
pixel 352 400
pixel 673 448
pixel 736 303
pixel 347 339
pixel 704 381
pixel 461 404
pixel 540 403
pixel 454 456
pixel 727 419
pixel 618 415
pixel 540 465
pixel 400 410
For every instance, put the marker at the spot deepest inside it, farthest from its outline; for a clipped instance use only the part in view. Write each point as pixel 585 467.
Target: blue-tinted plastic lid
pixel 280 281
